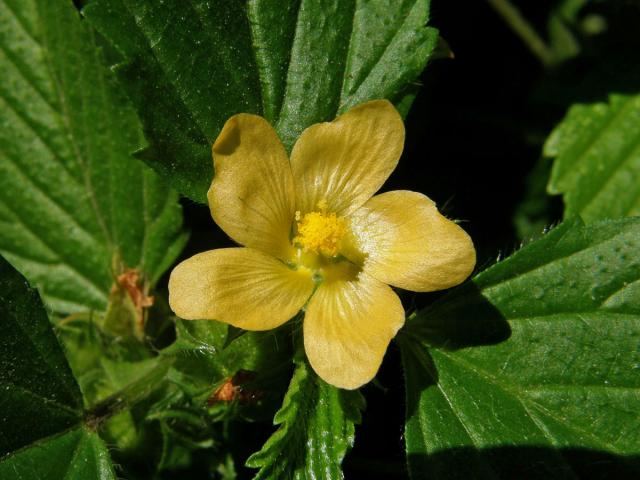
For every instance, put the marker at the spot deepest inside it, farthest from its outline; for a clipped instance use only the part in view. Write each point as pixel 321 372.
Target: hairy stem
pixel 133 393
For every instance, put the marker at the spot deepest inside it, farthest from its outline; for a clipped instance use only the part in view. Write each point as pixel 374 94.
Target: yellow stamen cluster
pixel 320 232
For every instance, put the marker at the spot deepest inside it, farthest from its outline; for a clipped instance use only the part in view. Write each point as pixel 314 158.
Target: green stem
pixel 133 393
pixel 524 30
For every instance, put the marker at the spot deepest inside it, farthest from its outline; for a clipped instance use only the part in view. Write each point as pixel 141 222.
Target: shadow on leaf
pixel 528 462
pixel 462 319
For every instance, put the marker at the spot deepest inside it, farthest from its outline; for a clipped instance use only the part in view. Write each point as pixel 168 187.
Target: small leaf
pixel 316 429
pixel 562 26
pixel 188 67
pixel 597 158
pixel 121 317
pixel 40 400
pixel 532 366
pixel 203 362
pixel 75 207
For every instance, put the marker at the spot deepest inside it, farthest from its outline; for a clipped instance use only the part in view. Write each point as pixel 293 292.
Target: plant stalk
pixel 521 27
pixel 128 396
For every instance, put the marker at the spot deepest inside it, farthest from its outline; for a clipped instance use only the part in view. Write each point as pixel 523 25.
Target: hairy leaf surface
pixel 597 158
pixel 75 207
pixel 78 454
pixel 189 66
pixel 38 394
pixel 40 400
pixel 316 429
pixel 538 356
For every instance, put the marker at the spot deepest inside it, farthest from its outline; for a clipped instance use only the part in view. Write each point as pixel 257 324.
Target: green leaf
pixel 78 454
pixel 203 354
pixel 562 27
pixel 597 158
pixel 75 206
pixel 204 359
pixel 316 429
pixel 343 53
pixel 532 365
pixel 189 67
pixel 38 394
pixel 40 400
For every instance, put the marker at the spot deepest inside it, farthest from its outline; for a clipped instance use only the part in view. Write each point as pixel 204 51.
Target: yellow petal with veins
pixel 346 161
pixel 252 195
pixel 347 327
pixel 239 286
pixel 407 243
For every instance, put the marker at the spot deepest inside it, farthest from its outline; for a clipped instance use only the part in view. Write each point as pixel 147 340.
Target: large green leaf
pixel 38 394
pixel 188 66
pixel 78 454
pixel 597 158
pixel 533 366
pixel 316 429
pixel 40 401
pixel 75 207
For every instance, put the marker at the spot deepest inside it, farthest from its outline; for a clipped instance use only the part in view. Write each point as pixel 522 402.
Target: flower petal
pixel 346 161
pixel 252 194
pixel 407 243
pixel 347 328
pixel 240 286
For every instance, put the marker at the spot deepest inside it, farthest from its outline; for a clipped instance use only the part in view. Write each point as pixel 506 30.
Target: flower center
pixel 320 232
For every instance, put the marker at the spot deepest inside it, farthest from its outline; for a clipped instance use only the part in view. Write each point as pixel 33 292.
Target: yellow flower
pixel 316 238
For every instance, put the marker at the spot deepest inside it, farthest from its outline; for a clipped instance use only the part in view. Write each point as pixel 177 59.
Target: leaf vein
pixel 510 391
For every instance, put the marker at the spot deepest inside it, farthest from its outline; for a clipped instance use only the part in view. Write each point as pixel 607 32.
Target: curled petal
pixel 347 328
pixel 239 286
pixel 407 243
pixel 252 195
pixel 346 161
